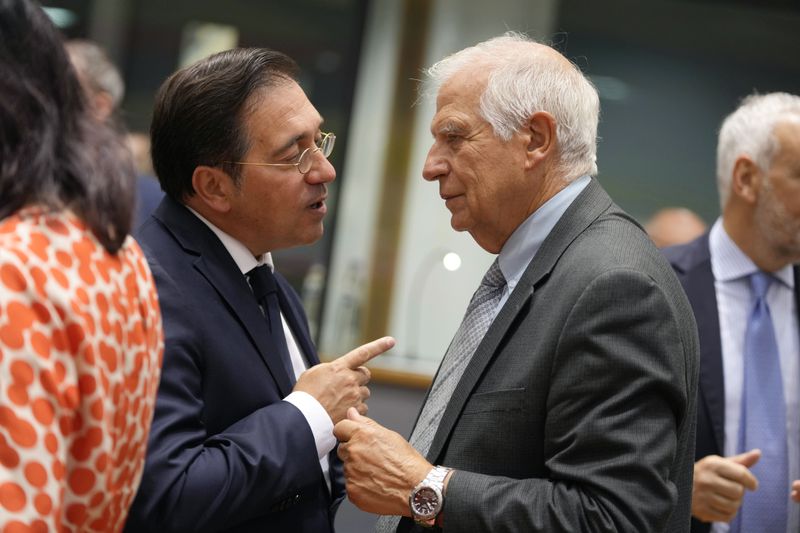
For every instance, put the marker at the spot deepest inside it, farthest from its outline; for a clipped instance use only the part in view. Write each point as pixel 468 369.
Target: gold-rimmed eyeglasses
pixel 305 161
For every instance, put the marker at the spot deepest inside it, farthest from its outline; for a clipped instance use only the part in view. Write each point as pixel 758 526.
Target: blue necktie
pixel 266 291
pixel 763 421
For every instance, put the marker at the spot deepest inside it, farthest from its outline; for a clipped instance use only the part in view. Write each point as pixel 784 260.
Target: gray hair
pixel 750 131
pixel 97 69
pixel 523 81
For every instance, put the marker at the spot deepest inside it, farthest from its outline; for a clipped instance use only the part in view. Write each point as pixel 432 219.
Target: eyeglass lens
pixel 325 146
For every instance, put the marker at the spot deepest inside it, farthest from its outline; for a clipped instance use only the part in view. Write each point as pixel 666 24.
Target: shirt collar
pixel 524 243
pixel 729 262
pixel 239 252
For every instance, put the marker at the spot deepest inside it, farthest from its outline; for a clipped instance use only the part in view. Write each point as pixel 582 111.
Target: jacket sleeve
pixel 618 396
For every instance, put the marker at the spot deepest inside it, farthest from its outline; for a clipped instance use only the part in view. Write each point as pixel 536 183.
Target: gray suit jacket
pixel 577 411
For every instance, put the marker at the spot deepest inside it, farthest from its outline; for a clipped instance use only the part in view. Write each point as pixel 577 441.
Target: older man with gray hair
pixel 104 88
pixel 742 281
pixel 566 400
pixel 98 75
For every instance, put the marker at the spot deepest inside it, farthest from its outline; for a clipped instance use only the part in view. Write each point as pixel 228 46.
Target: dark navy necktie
pixel 266 291
pixel 763 420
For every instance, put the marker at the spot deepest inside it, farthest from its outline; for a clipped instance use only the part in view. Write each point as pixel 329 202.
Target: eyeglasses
pixel 306 160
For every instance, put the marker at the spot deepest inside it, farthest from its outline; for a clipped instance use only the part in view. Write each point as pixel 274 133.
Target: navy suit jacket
pixel 148 196
pixel 225 453
pixel 692 264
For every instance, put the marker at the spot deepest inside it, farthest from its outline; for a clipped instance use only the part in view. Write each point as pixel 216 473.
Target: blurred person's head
pixel 98 75
pixel 52 151
pixel 229 134
pixel 758 157
pixel 515 123
pixel 674 225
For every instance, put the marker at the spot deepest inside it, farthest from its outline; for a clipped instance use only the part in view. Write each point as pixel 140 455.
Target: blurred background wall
pixel 667 72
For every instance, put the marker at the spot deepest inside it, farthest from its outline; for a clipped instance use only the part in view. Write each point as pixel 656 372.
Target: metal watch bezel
pixel 424 518
pixel 437 492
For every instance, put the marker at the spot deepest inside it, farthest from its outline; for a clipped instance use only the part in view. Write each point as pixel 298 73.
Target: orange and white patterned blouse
pixel 80 358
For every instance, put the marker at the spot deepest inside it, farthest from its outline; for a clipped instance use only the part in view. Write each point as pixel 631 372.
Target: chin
pixel 313 235
pixel 458 225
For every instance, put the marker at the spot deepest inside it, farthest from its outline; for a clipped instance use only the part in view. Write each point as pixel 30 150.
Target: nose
pixel 322 170
pixel 435 165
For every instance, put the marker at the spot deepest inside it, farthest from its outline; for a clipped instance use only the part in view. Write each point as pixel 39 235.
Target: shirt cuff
pixel 318 420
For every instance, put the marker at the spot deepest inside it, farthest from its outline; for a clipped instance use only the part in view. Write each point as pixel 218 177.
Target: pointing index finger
pixel 366 352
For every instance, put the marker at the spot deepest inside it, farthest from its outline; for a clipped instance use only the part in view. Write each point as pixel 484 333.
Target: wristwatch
pixel 426 499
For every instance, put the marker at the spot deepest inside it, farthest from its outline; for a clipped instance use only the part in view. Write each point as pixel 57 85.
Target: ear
pixel 213 188
pixel 746 179
pixel 541 138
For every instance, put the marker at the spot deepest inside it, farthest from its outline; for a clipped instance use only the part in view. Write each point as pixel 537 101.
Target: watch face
pixel 425 502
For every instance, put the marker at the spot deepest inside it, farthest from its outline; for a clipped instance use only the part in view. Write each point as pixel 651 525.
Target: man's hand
pixel 341 384
pixel 719 485
pixel 796 491
pixel 380 467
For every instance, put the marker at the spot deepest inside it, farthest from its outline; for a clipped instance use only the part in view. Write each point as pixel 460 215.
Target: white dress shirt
pixel 731 269
pixel 317 418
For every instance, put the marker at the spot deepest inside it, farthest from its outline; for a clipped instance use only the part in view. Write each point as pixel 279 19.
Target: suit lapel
pixel 592 201
pixel 698 282
pixel 218 267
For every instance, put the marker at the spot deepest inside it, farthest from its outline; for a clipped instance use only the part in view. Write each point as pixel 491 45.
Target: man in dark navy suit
pixel 748 425
pixel 242 435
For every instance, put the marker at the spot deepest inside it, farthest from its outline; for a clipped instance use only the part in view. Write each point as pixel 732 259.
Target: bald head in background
pixel 674 225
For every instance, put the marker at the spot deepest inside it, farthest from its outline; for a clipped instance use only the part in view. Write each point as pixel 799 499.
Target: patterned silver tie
pixel 479 316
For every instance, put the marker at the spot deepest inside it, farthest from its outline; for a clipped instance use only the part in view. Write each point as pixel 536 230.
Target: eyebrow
pixel 287 145
pixel 446 127
pixel 295 139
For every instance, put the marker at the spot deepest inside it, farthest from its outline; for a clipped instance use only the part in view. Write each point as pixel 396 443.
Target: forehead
pixel 787 134
pixel 459 99
pixel 279 112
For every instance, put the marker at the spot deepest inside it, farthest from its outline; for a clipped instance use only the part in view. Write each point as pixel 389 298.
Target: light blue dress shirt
pixel 731 269
pixel 520 249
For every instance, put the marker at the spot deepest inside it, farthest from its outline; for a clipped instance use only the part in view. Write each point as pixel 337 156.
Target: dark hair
pixel 198 116
pixel 52 151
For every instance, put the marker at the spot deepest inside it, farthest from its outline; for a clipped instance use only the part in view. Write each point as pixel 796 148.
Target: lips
pixel 318 204
pixel 449 199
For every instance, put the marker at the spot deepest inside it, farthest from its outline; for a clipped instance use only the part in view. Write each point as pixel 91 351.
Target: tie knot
pixel 262 281
pixel 494 276
pixel 760 282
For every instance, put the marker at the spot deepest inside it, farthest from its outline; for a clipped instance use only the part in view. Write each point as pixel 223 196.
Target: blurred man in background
pixel 104 86
pixel 742 281
pixel 674 225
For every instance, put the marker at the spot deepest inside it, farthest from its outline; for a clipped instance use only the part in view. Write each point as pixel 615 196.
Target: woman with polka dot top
pixel 80 329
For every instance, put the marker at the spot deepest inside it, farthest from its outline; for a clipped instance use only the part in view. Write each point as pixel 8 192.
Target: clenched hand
pixel 719 485
pixel 380 467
